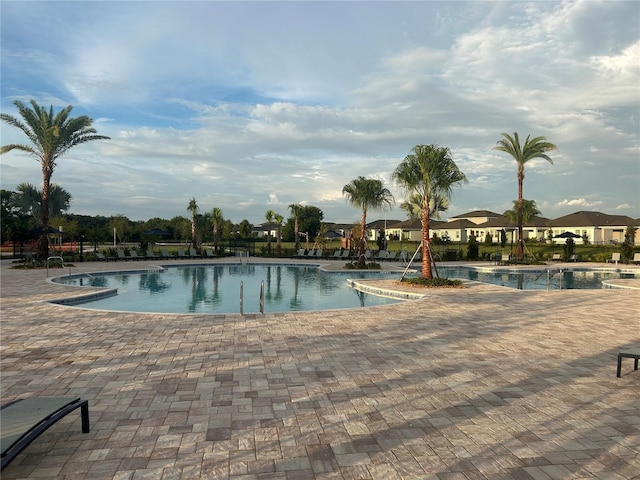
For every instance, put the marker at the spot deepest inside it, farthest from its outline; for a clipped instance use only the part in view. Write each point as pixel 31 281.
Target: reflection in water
pixel 152 282
pixel 361 296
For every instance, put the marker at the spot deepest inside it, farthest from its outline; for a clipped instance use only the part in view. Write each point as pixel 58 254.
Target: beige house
pixel 599 228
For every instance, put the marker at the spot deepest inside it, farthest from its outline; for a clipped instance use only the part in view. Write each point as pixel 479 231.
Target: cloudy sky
pixel 253 106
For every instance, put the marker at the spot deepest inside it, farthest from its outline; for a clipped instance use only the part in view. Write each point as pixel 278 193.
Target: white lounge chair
pixel 615 258
pixel 636 258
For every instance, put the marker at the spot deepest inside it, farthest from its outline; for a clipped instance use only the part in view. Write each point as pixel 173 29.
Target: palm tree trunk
pixel 296 232
pixel 43 241
pixel 363 224
pixel 519 253
pixel 426 247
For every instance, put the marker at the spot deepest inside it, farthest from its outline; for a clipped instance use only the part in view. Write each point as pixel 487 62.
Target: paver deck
pixel 476 383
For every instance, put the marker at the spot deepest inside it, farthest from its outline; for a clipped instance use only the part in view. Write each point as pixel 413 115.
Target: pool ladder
pixel 550 273
pixel 261 297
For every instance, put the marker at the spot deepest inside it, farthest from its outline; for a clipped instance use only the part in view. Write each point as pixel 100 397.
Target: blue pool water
pixel 215 289
pixel 543 279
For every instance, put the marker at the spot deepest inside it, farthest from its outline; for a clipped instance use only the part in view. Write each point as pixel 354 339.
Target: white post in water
pixel 114 237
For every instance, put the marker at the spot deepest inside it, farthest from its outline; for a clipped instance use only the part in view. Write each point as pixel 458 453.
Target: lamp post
pixel 81 248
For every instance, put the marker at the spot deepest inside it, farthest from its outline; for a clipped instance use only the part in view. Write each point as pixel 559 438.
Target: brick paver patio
pixel 476 383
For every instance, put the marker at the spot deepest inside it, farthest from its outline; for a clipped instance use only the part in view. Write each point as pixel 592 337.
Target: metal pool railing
pixel 242 297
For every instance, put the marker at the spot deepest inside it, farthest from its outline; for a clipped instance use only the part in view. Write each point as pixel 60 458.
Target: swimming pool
pixel 215 289
pixel 537 279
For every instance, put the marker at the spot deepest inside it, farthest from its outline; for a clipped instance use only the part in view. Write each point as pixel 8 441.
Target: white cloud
pixel 289 111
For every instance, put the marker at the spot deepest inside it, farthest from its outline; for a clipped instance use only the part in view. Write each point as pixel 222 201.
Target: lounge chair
pixel 505 259
pixel 193 253
pixel 133 255
pixel 319 253
pixel 181 253
pixel 121 255
pixel 310 254
pixel 382 255
pixel 391 256
pixel 24 420
pixel 337 255
pixel 150 255
pixel 636 258
pixel 210 253
pixel 621 355
pixel 367 254
pixel 615 258
pixel 165 254
pixel 102 258
pixel 556 257
pixel 573 258
pixel 346 254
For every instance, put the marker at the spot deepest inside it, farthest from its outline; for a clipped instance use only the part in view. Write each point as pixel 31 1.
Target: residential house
pixel 599 228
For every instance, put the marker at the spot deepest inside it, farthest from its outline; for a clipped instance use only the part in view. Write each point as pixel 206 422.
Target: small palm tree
pixel 296 210
pixel 278 219
pixel 428 173
pixel 529 210
pixel 51 136
pixel 268 216
pixel 193 209
pixel 217 220
pixel 413 206
pixel 28 200
pixel 536 147
pixel 366 193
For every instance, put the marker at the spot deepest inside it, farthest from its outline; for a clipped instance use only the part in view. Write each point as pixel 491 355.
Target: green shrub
pixel 432 282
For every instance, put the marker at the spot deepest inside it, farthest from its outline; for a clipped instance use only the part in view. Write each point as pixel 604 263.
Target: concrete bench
pixel 621 355
pixel 25 420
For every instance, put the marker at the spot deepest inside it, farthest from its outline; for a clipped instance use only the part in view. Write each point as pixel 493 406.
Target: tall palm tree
pixel 28 200
pixel 536 147
pixel 296 209
pixel 51 136
pixel 366 193
pixel 430 173
pixel 268 216
pixel 278 219
pixel 217 220
pixel 193 209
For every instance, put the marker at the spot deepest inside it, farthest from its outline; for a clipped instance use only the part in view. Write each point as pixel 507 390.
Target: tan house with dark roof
pixel 598 227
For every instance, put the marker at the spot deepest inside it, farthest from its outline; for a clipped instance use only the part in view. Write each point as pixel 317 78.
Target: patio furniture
pixel 101 257
pixel 615 258
pixel 621 355
pixel 636 258
pixel 556 257
pixel 133 255
pixel 24 420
